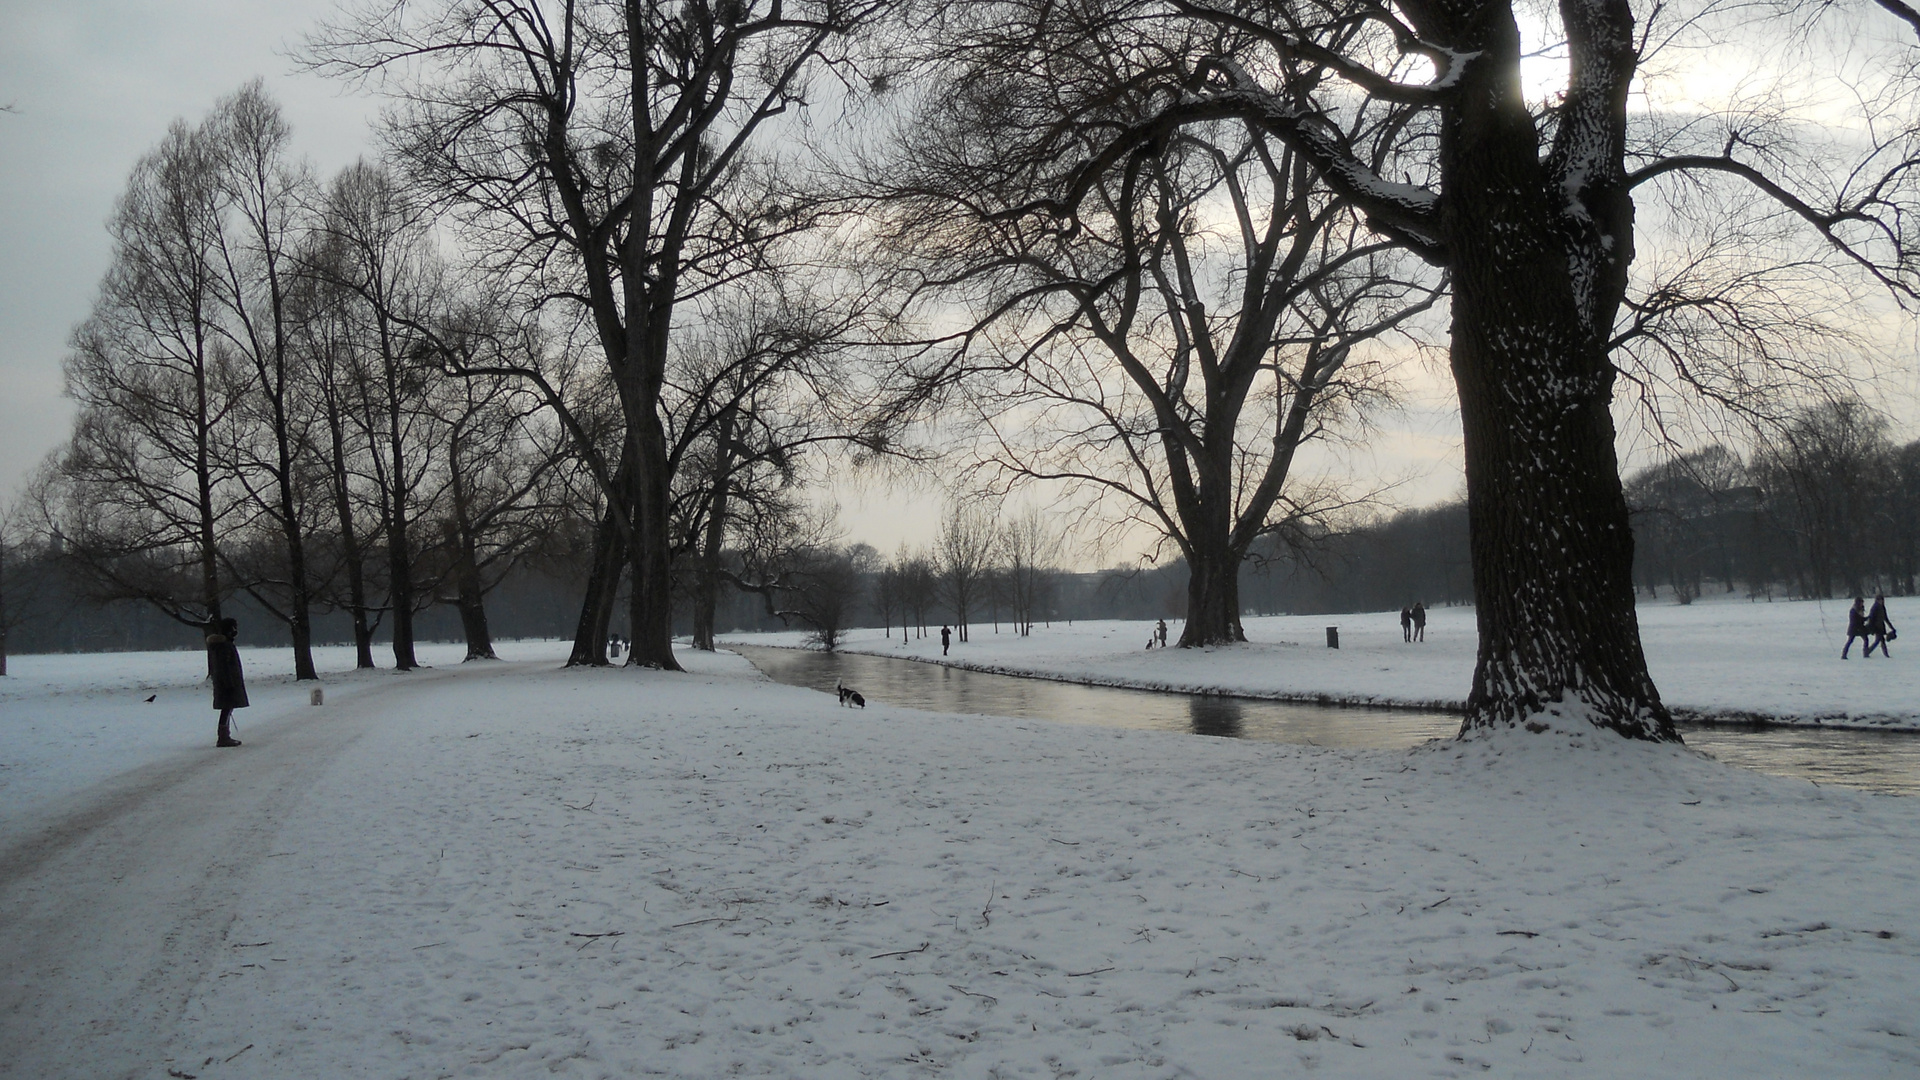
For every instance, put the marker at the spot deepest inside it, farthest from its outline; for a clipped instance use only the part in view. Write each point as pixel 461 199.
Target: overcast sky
pixel 94 84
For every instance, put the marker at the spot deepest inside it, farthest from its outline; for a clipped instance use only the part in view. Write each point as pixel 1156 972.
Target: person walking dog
pixel 229 682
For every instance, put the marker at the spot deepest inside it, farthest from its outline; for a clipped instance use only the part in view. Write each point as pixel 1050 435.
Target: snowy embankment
pixel 1718 659
pixel 512 870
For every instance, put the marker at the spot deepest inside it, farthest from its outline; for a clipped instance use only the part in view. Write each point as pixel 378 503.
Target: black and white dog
pixel 848 695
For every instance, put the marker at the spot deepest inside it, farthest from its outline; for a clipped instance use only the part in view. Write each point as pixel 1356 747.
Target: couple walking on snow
pixel 1871 626
pixel 1413 622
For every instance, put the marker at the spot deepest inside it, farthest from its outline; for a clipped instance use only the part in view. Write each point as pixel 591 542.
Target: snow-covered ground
pixel 1716 659
pixel 509 870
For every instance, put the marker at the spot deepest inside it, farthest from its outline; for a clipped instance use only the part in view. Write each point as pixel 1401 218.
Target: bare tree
pixel 142 494
pixel 1207 315
pixel 964 553
pixel 373 243
pixel 1532 216
pixel 263 196
pixel 602 154
pixel 503 492
pixel 1830 473
pixel 1029 549
pixel 331 353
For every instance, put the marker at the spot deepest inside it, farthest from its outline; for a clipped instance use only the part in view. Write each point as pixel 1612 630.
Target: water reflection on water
pixel 955 690
pixel 1874 761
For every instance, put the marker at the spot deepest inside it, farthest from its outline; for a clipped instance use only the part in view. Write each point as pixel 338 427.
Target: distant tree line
pixel 1828 506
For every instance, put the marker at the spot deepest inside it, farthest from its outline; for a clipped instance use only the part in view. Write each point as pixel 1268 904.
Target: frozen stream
pixel 1886 762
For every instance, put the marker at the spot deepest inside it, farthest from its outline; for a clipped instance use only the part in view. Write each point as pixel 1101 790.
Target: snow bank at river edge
pixel 1716 659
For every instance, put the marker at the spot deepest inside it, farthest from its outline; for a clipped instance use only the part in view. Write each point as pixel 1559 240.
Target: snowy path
pixel 517 871
pixel 115 910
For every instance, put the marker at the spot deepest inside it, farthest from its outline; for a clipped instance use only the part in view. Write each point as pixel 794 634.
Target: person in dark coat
pixel 1406 624
pixel 1856 625
pixel 946 639
pixel 229 682
pixel 1880 627
pixel 1419 620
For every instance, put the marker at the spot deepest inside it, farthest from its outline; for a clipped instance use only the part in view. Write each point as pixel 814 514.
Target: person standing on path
pixel 1880 627
pixel 1856 625
pixel 229 682
pixel 1406 623
pixel 1160 632
pixel 1419 620
pixel 946 639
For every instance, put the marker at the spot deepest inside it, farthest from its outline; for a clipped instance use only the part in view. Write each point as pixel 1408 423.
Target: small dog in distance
pixel 848 695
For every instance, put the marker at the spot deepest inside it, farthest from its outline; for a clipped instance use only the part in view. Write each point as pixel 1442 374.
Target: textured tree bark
pixel 1213 593
pixel 1552 550
pixel 650 599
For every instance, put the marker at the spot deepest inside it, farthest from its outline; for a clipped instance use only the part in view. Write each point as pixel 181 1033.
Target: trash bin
pixel 1333 637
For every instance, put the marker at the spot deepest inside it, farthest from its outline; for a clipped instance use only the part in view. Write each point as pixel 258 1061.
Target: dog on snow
pixel 848 695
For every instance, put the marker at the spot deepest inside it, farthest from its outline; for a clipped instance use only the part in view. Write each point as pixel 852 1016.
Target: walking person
pixel 229 682
pixel 946 639
pixel 1856 625
pixel 1880 627
pixel 1160 632
pixel 1406 623
pixel 1419 620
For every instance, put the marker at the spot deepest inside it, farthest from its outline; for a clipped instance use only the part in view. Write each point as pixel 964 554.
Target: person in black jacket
pixel 1856 625
pixel 1880 627
pixel 229 682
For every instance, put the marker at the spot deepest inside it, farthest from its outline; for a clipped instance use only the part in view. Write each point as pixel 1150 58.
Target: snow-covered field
pixel 1718 658
pixel 510 870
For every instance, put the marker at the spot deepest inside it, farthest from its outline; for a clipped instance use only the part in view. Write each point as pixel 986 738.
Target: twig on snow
pixel 238 1052
pixel 1095 971
pixel 924 946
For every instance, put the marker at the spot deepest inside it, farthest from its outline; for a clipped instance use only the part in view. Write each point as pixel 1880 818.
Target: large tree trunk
pixel 706 588
pixel 351 553
pixel 651 596
pixel 1552 548
pixel 399 548
pixel 300 600
pixel 473 620
pixel 470 594
pixel 603 584
pixel 1213 597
